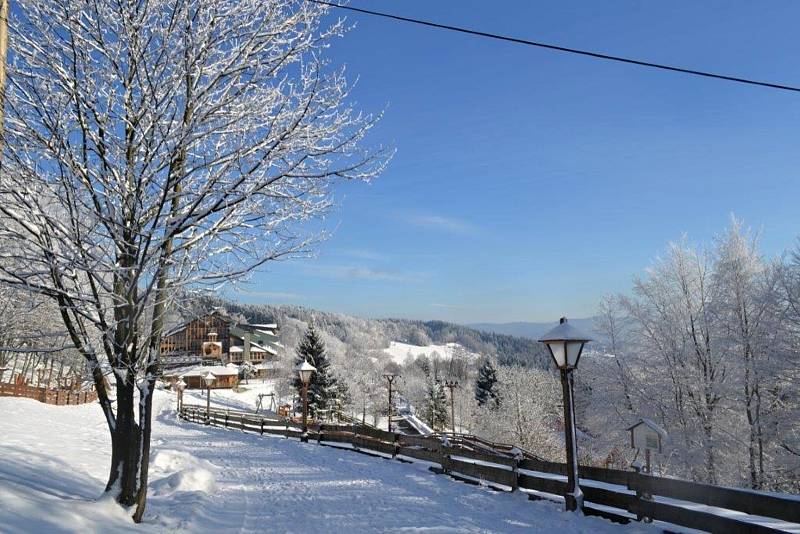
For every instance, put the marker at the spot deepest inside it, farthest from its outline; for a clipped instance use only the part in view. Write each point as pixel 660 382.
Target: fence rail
pixel 59 397
pixel 618 495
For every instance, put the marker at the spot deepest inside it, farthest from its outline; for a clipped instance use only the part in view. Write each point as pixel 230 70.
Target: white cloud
pixel 442 223
pixel 280 295
pixel 361 272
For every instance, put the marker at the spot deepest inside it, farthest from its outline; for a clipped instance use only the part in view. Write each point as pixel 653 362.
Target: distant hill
pixel 534 330
pixel 356 335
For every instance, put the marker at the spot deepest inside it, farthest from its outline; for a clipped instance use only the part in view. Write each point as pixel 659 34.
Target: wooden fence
pixel 620 496
pixel 60 397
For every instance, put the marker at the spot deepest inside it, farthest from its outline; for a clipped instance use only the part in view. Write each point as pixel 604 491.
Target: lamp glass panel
pixel 558 352
pixel 305 376
pixel 573 351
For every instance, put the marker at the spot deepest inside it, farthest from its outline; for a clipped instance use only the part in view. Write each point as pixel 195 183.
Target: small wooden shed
pixel 226 377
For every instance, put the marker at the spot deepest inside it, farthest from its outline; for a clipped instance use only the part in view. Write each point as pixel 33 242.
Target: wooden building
pixel 224 377
pixel 217 338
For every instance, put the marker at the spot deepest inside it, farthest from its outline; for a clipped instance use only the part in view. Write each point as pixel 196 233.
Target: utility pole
pixel 390 378
pixel 452 384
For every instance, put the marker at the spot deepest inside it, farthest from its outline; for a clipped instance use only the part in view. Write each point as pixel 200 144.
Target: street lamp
pixel 305 371
pixel 452 384
pixel 390 378
pixel 180 386
pixel 208 379
pixel 565 344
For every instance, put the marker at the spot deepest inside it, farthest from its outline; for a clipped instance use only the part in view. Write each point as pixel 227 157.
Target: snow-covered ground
pixel 54 463
pixel 398 352
pixel 244 398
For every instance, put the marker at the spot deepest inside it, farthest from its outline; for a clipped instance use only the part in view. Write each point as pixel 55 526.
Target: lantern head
pixel 565 344
pixel 305 370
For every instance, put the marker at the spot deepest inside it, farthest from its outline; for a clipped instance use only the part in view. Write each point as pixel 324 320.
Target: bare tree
pixel 159 146
pixel 671 309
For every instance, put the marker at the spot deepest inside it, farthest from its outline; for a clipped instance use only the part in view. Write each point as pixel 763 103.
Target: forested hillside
pixel 365 335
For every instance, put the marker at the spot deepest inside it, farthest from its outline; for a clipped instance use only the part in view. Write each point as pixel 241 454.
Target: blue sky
pixel 529 183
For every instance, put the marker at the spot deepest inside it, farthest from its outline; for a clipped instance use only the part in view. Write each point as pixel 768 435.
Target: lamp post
pixel 208 379
pixel 390 378
pixel 305 371
pixel 180 386
pixel 452 384
pixel 565 344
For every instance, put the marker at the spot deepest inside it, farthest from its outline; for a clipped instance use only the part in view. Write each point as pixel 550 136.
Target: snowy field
pixel 398 352
pixel 245 398
pixel 54 461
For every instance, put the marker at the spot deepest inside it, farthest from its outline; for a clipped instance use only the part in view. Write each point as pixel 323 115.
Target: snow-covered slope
pixel 398 352
pixel 55 459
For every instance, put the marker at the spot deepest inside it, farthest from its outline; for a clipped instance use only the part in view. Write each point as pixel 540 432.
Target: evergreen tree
pixel 436 405
pixel 323 388
pixel 486 392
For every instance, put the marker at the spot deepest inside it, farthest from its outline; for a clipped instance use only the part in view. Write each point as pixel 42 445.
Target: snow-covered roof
pixel 216 370
pixel 271 326
pixel 256 348
pixel 566 332
pixel 652 425
pixel 268 365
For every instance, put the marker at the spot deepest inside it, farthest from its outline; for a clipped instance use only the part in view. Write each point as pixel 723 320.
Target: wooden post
pixel 262 426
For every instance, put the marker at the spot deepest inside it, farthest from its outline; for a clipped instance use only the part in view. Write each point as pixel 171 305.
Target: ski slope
pixel 398 352
pixel 54 463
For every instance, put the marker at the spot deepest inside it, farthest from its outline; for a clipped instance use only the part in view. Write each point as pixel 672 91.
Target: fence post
pixel 518 457
pixel 262 426
pixel 395 444
pixel 444 458
pixel 226 418
pixel 635 485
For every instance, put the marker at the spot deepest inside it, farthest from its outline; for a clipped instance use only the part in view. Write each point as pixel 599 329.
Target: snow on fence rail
pixel 59 397
pixel 618 495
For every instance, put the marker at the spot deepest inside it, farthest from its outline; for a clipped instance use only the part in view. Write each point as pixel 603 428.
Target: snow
pixel 244 397
pixel 398 352
pixel 205 479
pixel 217 370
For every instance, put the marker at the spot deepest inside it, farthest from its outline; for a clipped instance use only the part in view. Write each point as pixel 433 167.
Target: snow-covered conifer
pixel 324 389
pixel 485 391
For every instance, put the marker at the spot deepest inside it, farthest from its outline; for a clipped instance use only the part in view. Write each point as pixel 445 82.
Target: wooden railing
pixel 50 396
pixel 620 496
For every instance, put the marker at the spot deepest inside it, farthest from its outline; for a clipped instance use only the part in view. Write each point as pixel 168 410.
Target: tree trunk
pixel 125 446
pixel 145 421
pixel 711 471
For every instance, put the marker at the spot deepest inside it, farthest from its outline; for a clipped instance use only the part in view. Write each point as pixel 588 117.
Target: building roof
pixel 216 370
pixel 264 349
pixel 652 425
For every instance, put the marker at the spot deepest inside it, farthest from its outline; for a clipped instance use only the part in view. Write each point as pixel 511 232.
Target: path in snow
pixel 207 479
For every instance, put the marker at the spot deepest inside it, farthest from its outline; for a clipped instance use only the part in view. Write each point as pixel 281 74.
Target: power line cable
pixel 558 48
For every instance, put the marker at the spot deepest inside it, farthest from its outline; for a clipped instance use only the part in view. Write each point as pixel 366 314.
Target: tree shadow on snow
pixel 47 474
